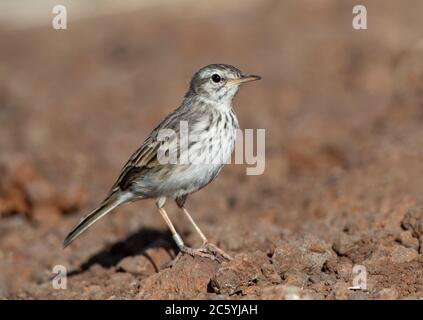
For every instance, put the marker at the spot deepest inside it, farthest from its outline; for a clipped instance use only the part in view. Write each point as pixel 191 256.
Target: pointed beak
pixel 243 79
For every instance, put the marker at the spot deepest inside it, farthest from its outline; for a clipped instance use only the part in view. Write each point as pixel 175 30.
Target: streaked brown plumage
pixel 211 124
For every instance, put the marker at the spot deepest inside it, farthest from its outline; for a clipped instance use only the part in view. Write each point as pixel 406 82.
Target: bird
pixel 165 167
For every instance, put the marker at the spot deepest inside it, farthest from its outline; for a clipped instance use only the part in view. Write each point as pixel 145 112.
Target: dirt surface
pixel 343 184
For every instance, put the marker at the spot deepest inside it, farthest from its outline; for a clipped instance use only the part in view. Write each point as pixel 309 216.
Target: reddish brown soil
pixel 343 184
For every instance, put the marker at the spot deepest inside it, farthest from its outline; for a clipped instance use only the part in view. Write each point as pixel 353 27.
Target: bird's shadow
pixel 134 244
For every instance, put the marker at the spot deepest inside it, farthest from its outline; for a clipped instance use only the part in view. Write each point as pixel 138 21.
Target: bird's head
pixel 218 82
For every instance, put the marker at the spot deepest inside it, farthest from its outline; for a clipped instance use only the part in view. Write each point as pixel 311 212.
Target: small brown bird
pixel 206 111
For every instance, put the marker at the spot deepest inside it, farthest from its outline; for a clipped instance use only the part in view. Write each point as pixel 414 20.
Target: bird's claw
pixel 216 251
pixel 207 250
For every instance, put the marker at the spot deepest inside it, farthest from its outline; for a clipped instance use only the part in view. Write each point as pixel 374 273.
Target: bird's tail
pixel 112 201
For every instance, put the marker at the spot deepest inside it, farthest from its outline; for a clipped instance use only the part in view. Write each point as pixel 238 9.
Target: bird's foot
pixel 216 251
pixel 200 252
pixel 207 250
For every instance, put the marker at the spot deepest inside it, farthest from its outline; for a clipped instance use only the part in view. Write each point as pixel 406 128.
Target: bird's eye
pixel 216 78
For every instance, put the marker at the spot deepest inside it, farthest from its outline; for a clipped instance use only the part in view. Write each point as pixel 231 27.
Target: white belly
pixel 200 160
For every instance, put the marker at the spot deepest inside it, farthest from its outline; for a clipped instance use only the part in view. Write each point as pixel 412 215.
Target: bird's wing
pixel 148 157
pixel 145 157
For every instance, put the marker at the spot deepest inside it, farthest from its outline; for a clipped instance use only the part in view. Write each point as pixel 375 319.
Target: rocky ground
pixel 343 184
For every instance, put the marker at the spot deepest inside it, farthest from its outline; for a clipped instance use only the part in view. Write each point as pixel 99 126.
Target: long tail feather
pixel 111 202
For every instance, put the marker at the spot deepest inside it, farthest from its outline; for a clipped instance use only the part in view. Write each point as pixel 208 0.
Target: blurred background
pixel 342 109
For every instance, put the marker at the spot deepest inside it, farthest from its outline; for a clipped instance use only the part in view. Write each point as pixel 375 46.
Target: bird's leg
pixel 179 242
pixel 206 246
pixel 176 237
pixel 202 236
